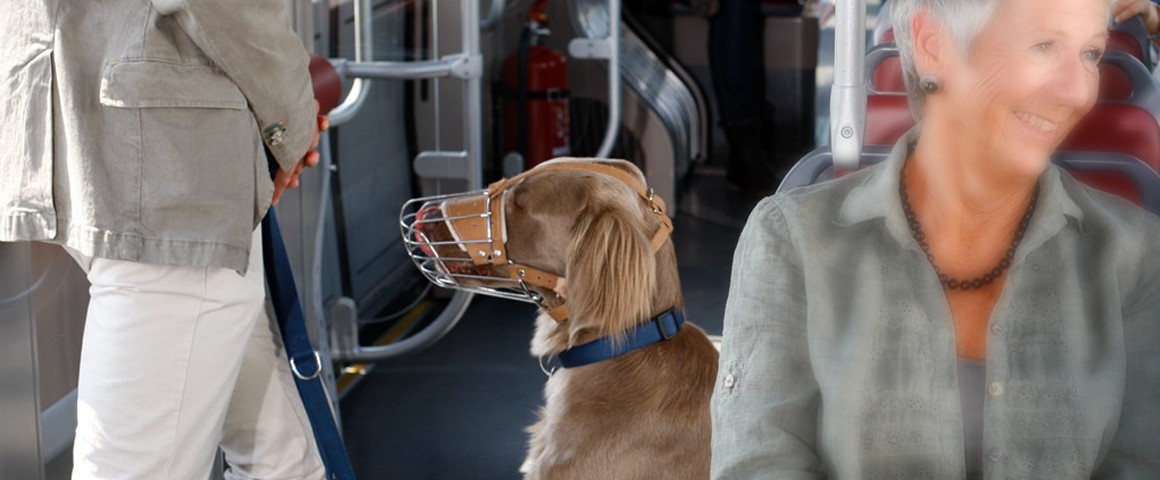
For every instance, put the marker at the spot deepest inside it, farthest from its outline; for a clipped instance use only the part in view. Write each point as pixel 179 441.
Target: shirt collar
pixel 877 197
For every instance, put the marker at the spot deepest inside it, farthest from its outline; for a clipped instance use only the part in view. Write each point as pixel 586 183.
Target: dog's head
pixel 592 231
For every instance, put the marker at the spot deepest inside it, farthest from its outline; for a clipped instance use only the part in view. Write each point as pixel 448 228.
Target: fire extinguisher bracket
pixel 588 48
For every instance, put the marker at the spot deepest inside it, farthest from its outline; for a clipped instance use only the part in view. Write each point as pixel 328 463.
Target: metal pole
pixel 473 97
pixel 614 107
pixel 363 52
pixel 848 97
pixel 345 312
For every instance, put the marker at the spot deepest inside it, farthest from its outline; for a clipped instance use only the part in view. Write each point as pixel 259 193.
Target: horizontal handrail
pixel 459 65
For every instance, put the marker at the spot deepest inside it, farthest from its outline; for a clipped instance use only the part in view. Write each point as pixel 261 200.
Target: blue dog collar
pixel 656 330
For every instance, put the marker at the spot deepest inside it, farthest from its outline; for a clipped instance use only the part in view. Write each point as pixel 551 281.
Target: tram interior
pixel 457 405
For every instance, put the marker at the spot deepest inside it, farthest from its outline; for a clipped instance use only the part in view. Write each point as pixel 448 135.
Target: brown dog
pixel 640 415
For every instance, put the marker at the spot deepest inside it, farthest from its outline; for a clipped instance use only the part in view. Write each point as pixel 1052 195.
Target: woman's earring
pixel 930 84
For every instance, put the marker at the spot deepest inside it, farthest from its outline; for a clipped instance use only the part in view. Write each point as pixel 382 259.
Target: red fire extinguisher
pixel 534 85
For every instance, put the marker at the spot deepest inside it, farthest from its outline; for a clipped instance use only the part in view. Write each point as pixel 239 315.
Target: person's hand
pixel 1150 12
pixel 287 179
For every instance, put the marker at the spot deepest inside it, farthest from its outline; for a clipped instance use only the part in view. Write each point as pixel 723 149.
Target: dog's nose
pixel 423 228
pixel 425 215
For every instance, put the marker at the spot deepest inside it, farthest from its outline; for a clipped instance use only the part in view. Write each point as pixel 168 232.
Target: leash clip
pixel 544 368
pixel 317 369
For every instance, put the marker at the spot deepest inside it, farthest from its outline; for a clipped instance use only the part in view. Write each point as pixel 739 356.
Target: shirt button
pixel 997 329
pixel 993 455
pixel 729 381
pixel 995 389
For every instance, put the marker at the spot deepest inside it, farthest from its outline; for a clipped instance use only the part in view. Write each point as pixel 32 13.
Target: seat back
pixel 1132 37
pixel 1114 173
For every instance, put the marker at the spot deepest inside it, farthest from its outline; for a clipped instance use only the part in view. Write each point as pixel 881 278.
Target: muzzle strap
pixel 535 276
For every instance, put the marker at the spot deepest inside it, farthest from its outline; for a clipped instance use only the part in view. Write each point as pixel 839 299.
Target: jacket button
pixel 995 389
pixel 993 455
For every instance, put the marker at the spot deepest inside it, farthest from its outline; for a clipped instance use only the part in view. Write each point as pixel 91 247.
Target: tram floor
pixel 458 410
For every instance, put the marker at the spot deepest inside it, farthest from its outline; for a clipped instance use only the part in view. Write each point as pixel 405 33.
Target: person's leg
pixel 267 435
pixel 735 37
pixel 735 60
pixel 162 350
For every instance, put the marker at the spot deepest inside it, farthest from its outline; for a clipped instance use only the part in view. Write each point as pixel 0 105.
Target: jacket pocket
pixel 199 151
pixel 138 83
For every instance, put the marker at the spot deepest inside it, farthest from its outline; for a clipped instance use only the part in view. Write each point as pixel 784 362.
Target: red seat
pixel 887 76
pixel 887 119
pixel 1115 83
pixel 1123 41
pixel 1119 128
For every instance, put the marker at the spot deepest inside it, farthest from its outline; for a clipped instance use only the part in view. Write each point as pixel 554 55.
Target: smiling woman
pixel 965 308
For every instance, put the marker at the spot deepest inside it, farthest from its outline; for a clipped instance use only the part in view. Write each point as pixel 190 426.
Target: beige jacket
pixel 133 129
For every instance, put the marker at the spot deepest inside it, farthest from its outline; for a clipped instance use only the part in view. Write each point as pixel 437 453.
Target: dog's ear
pixel 611 271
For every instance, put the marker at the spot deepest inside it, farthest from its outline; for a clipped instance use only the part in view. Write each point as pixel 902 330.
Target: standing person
pixel 134 136
pixel 735 62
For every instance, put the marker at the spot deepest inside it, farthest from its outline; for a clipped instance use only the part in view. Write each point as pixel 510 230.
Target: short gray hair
pixel 964 18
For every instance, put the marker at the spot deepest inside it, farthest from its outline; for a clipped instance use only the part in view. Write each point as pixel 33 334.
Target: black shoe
pixel 751 168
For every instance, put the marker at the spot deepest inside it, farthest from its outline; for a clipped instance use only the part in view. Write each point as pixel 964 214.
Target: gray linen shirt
pixel 134 129
pixel 839 356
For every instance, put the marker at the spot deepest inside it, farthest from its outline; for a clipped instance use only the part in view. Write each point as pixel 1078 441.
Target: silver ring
pixel 317 371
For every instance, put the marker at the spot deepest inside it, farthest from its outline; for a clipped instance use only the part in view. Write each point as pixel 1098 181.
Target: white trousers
pixel 178 362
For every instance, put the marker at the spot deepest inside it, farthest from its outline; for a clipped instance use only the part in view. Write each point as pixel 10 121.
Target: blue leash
pixel 304 360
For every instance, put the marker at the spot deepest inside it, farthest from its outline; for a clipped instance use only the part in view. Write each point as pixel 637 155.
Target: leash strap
pixel 659 329
pixel 304 360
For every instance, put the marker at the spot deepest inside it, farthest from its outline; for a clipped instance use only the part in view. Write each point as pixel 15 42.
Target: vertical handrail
pixel 473 96
pixel 614 100
pixel 467 66
pixel 848 97
pixel 363 52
